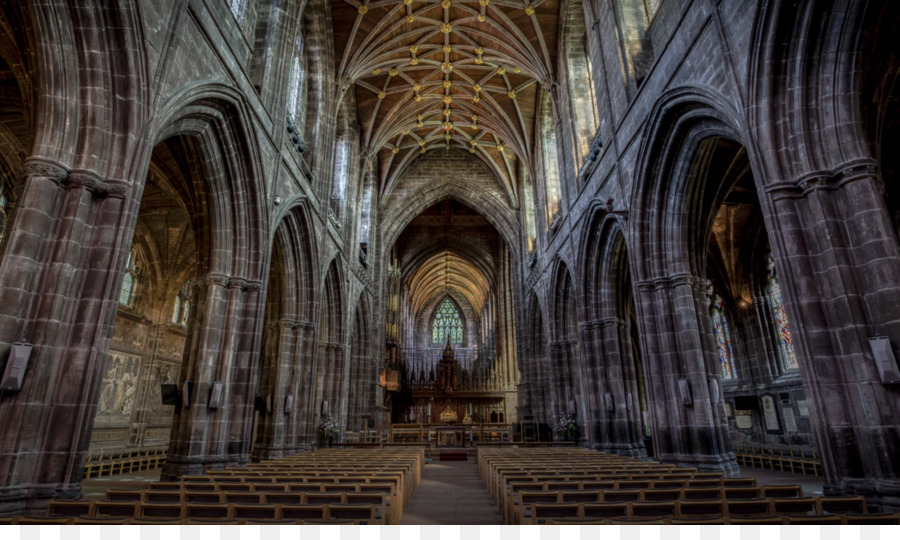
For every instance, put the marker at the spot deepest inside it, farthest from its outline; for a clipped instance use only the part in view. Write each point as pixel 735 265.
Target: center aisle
pixel 451 493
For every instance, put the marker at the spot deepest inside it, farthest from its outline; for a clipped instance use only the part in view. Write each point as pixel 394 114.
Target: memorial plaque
pixel 744 421
pixel 770 413
pixel 790 425
pixel 803 408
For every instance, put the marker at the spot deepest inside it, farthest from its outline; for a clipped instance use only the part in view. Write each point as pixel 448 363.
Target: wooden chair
pixel 605 510
pixel 698 520
pixel 116 509
pixel 621 495
pixel 842 505
pixel 872 519
pixel 163 496
pixel 541 512
pixel 814 520
pixel 127 495
pixel 302 512
pixel 782 490
pixel 364 514
pixel 59 509
pixel 794 505
pixel 704 493
pixel 100 521
pixel 641 509
pixel 741 493
pixel 756 520
pixel 523 510
pixel 577 521
pixel 747 507
pixel 693 509
pixel 161 510
pixel 255 511
pixel 654 494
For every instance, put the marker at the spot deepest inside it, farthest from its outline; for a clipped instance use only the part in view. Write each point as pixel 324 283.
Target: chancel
pixel 350 261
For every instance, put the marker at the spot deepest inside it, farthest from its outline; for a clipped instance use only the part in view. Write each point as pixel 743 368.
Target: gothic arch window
pixel 447 323
pixel 129 281
pixel 775 299
pixel 528 197
pixel 550 155
pixel 239 9
pixel 3 217
pixel 182 310
pixel 341 175
pixel 581 89
pixel 365 218
pixel 722 331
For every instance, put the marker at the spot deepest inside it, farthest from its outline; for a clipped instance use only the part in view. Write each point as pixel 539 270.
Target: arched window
pixel 550 158
pixel 528 198
pixel 129 281
pixel 294 87
pixel 722 331
pixel 579 73
pixel 239 9
pixel 182 309
pixel 775 299
pixel 3 203
pixel 447 323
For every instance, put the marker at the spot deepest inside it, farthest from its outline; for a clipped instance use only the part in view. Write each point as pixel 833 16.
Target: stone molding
pixel 45 169
pixel 99 187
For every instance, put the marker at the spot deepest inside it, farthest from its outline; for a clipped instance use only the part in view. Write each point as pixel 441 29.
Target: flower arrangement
pixel 329 427
pixel 566 428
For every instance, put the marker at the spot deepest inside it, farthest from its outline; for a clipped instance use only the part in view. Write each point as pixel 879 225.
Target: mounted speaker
pixel 684 388
pixel 169 394
pixel 215 395
pixel 288 403
pixel 15 366
pixel 885 360
pixel 713 391
pixel 610 406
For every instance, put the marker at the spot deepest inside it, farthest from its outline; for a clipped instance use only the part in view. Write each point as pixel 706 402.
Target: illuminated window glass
pixel 447 322
pixel 722 331
pixel 238 7
pixel 182 309
pixel 129 284
pixel 782 330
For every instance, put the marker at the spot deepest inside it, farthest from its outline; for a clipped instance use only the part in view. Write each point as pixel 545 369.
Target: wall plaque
pixel 770 413
pixel 790 425
pixel 744 421
pixel 803 408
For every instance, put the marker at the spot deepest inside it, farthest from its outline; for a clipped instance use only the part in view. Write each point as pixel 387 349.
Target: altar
pixel 450 435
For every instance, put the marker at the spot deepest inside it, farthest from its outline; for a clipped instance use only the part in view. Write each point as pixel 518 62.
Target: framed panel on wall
pixel 770 413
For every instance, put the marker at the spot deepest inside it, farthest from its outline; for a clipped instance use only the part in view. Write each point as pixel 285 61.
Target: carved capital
pixel 217 279
pixel 98 187
pixel 237 283
pixel 46 169
pixel 253 286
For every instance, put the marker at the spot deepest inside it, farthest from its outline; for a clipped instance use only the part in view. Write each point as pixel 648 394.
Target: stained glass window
pixel 447 323
pixel 182 309
pixel 723 332
pixel 237 8
pixel 293 105
pixel 782 329
pixel 126 293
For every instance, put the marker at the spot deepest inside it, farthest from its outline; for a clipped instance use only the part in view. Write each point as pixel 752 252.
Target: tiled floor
pixel 451 493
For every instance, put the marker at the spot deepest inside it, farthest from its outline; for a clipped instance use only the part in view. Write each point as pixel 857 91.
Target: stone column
pixel 223 346
pixel 59 280
pixel 693 434
pixel 839 267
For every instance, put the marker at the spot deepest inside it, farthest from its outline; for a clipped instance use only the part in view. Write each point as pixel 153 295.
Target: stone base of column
pixel 34 500
pixel 881 495
pixel 705 462
pixel 176 466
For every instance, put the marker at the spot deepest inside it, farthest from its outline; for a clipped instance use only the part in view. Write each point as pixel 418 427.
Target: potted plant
pixel 328 430
pixel 566 429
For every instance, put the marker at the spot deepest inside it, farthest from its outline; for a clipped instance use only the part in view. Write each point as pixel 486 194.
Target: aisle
pixel 451 493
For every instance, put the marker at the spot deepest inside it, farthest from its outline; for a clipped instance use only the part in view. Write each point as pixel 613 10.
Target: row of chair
pixel 111 462
pixel 381 497
pixel 783 458
pixel 537 513
pixel 364 513
pixel 836 519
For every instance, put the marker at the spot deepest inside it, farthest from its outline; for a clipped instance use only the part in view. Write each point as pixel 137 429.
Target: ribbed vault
pixel 444 272
pixel 435 74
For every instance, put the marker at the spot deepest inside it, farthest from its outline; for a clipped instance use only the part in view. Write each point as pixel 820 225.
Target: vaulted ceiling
pixel 436 74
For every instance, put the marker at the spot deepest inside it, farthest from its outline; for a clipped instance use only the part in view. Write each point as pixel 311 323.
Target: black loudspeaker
pixel 169 393
pixel 215 395
pixel 288 403
pixel 186 390
pixel 684 388
pixel 885 360
pixel 15 366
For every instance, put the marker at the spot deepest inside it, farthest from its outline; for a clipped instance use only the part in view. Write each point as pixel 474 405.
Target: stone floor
pixel 95 488
pixel 451 493
pixel 812 485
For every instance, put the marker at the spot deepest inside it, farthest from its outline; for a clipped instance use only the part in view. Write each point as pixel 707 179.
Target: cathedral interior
pixel 237 231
